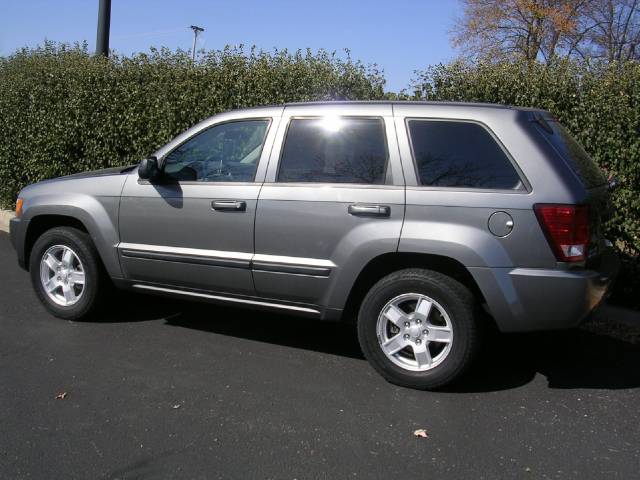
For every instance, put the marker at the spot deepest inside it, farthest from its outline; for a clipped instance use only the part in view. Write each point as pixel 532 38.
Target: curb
pixel 5 216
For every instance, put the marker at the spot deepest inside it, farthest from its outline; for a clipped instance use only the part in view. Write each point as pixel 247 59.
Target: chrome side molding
pixel 196 252
pixel 266 263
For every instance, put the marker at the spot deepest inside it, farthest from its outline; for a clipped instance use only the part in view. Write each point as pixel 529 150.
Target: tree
pixel 547 29
pixel 615 30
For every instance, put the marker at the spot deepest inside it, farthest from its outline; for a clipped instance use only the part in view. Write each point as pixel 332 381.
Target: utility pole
pixel 196 31
pixel 104 22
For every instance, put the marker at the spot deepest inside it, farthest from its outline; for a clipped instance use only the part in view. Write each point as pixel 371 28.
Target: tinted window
pixel 573 153
pixel 334 150
pixel 460 154
pixel 224 153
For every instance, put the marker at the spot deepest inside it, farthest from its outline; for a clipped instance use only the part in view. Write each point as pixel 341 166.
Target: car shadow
pixel 568 359
pixel 279 329
pixel 127 307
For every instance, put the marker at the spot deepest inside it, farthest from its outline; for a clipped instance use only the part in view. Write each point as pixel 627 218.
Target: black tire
pixel 453 297
pixel 96 282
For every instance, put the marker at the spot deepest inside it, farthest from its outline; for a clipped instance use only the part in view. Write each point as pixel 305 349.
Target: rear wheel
pixel 418 328
pixel 66 273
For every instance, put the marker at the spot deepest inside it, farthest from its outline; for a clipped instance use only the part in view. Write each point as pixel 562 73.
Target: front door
pixel 193 228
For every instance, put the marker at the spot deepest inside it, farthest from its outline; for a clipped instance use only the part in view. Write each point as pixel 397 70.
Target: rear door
pixel 333 199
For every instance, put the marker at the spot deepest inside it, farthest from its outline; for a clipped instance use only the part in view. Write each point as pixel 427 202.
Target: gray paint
pixel 302 246
pixel 93 200
pixel 182 217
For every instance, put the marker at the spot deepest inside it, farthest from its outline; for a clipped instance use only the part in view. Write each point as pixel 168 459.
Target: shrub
pixel 63 110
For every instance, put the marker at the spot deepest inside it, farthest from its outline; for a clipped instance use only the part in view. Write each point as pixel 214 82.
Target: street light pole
pixel 196 31
pixel 104 22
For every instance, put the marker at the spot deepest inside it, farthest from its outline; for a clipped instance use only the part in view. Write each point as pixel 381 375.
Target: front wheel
pixel 66 273
pixel 418 329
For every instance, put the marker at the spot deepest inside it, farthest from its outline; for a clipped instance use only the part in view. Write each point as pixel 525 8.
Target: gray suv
pixel 422 221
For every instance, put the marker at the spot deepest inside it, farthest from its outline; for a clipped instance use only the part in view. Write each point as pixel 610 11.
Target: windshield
pixel 572 153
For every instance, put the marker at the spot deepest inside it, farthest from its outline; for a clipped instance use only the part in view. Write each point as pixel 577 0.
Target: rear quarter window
pixel 460 154
pixel 571 152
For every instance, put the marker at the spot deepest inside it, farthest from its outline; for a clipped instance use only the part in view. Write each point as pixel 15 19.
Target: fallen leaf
pixel 421 432
pixel 61 396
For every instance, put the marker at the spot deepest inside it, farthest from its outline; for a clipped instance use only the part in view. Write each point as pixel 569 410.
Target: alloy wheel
pixel 414 332
pixel 62 275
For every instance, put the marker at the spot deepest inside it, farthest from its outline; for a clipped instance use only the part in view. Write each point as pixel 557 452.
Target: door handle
pixel 229 205
pixel 365 210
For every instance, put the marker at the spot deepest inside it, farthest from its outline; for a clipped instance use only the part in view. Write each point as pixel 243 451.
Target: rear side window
pixel 460 155
pixel 334 150
pixel 572 153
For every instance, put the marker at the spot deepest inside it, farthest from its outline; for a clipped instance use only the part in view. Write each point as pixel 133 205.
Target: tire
pixel 66 276
pixel 430 351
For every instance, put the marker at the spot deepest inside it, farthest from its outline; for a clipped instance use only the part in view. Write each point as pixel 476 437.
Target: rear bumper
pixel 17 233
pixel 528 299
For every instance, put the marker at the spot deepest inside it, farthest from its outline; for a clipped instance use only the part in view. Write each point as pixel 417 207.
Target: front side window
pixel 460 155
pixel 228 152
pixel 334 150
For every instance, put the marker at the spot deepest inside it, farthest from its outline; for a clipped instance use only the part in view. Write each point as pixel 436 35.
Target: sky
pixel 400 36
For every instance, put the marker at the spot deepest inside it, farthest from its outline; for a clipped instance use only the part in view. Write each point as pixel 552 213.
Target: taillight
pixel 567 230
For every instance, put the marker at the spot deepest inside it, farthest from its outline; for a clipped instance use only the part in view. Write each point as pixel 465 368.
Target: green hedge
pixel 63 110
pixel 599 104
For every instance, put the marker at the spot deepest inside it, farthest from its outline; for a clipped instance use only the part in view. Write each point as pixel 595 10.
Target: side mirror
pixel 148 168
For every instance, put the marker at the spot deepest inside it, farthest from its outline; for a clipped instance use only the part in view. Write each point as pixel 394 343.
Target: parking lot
pixel 160 389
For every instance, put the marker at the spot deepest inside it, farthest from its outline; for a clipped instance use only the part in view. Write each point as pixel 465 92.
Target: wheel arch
pixel 41 223
pixel 387 263
pixel 42 218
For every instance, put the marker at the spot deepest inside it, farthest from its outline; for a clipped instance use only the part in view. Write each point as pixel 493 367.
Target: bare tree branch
pixel 549 29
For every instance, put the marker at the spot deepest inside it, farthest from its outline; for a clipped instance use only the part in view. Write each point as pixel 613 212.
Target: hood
pixel 105 182
pixel 102 172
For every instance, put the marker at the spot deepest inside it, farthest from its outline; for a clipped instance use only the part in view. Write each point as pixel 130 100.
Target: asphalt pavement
pixel 159 389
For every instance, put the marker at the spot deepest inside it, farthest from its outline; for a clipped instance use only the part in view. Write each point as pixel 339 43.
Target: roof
pixel 398 103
